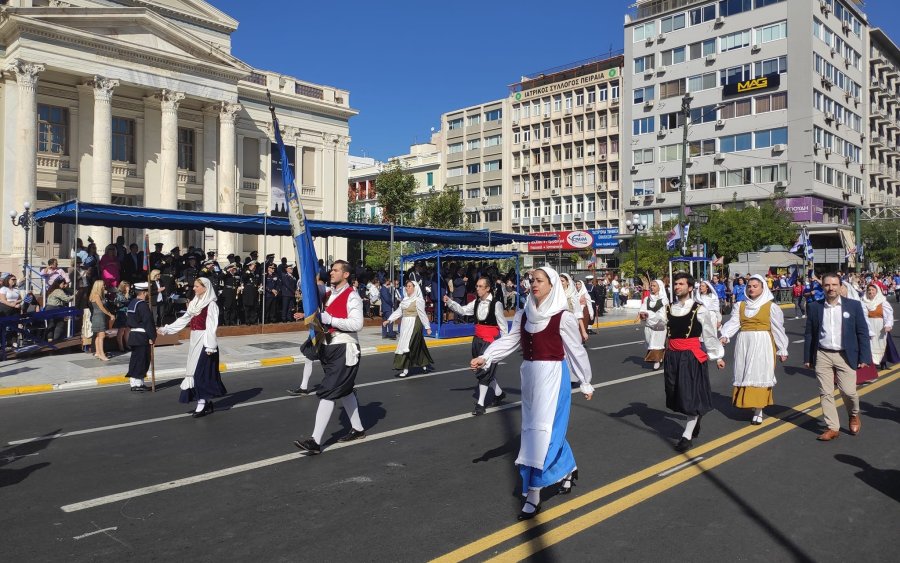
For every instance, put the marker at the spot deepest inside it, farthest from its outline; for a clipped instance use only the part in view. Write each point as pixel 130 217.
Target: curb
pixel 177 373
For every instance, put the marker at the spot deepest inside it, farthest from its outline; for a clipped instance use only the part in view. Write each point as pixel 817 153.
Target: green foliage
pixel 378 254
pixel 441 209
pixel 395 189
pixel 882 243
pixel 653 258
pixel 730 232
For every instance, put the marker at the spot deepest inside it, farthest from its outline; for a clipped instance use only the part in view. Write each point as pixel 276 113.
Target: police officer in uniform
pixel 272 293
pixel 156 257
pixel 231 282
pixel 139 319
pixel 250 290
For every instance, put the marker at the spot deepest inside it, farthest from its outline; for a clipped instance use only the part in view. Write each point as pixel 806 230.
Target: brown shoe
pixel 855 424
pixel 828 435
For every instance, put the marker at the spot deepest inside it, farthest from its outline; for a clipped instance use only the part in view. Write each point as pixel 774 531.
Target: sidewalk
pixel 75 370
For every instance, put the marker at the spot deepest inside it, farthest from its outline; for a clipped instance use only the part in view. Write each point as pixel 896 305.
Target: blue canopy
pixel 105 215
pixel 458 253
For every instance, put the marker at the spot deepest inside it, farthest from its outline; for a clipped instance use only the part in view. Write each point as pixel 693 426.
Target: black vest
pixel 686 326
pixel 491 319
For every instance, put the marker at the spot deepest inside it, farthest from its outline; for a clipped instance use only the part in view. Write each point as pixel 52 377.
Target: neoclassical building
pixel 141 103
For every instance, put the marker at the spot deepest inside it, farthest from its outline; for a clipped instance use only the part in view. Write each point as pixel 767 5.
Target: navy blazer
pixel 387 301
pixel 854 332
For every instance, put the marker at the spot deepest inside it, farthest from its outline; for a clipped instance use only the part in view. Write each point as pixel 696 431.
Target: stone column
pixel 227 181
pixel 101 166
pixel 25 184
pixel 168 159
pixel 208 166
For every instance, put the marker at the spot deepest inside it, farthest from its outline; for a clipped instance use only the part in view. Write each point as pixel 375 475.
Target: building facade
pixel 884 128
pixel 141 103
pixel 764 119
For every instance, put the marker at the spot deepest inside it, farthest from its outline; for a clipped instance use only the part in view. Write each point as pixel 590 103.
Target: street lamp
pixel 636 226
pixel 26 221
pixel 698 218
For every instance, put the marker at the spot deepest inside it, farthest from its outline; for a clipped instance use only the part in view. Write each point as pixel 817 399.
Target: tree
pixel 378 254
pixel 441 209
pixel 396 193
pixel 882 243
pixel 653 258
pixel 730 232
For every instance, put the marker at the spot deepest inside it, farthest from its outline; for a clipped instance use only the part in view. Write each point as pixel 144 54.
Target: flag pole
pixel 152 346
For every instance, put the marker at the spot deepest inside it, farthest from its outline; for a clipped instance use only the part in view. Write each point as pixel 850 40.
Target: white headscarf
pixel 407 299
pixel 571 293
pixel 872 304
pixel 661 296
pixel 553 304
pixel 852 293
pixel 583 292
pixel 711 299
pixel 199 302
pixel 751 306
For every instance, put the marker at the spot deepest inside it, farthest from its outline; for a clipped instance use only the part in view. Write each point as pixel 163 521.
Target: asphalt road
pixel 118 475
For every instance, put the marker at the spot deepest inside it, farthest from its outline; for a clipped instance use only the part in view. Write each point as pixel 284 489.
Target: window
pixel 737 40
pixel 735 74
pixel 567 152
pixel 734 143
pixel 454 148
pixel 567 127
pixel 492 165
pixel 703 114
pixel 123 140
pixel 53 129
pixel 557 103
pixel 473 193
pixel 579 99
pixel 642 156
pixel 186 148
pixel 604 93
pixel 771 102
pixel 732 7
pixel 591 122
pixel 493 115
pixel 702 82
pixel 702 148
pixel 591 95
pixel 579 125
pixel 455 124
pixel 737 108
pixel 493 216
pixel 702 181
pixel 472 217
pixel 492 141
pixel 473 120
pixel 492 191
pixel 670 153
pixel 641 188
pixel 642 126
pixel 674 56
pixel 770 137
pixel 672 88
pixel 455 171
pixel 701 49
pixel 643 31
pixel 568 101
pixel 772 32
pixel 702 14
pixel 773 173
pixel 739 177
pixel 672 23
pixel 771 66
pixel 762 3
pixel 473 144
pixel 579 150
pixel 644 94
pixel 473 168
pixel 641 64
pixel 671 120
pixel 429 179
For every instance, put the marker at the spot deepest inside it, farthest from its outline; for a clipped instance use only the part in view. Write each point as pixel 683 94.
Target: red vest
pixel 546 345
pixel 198 322
pixel 338 307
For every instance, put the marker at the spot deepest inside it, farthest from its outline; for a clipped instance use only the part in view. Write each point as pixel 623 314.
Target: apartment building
pixel 884 113
pixel 777 94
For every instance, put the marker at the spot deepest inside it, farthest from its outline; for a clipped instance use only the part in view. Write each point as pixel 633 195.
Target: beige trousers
pixel 831 366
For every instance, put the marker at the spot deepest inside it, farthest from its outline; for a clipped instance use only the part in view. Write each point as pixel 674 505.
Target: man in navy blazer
pixel 836 344
pixel 387 307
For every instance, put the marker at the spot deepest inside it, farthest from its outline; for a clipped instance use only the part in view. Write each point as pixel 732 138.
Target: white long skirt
pixel 407 325
pixel 754 360
pixel 879 341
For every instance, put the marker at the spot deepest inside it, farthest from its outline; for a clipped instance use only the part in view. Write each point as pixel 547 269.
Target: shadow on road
pixel 10 455
pixel 885 411
pixel 636 360
pixel 661 422
pixel 886 481
pixel 805 372
pixel 369 414
pixel 236 398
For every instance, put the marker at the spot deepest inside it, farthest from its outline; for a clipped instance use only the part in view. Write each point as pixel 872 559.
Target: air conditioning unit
pixel 718 157
pixel 484 200
pixel 689 161
pixel 780 185
pixel 779 148
pixel 711 58
pixel 524 146
pixel 601 186
pixel 545 142
pixel 817 147
pixel 856 100
pixel 524 169
pixel 829 116
pixel 614 102
pixel 515 220
pixel 648 73
pixel 847 94
pixel 827 151
pixel 525 194
pixel 847 161
pixel 515 122
pixel 661 133
pixel 554 191
pixel 755 48
pixel 833 51
pixel 719 21
pixel 634 169
pixel 650 40
pixel 577 217
pixel 545 219
pixel 602 157
pixel 635 201
pixel 826 81
pixel 589 107
pixel 661 37
pixel 826 9
pixel 648 104
pixel 847 62
pixel 661 70
pixel 720 123
pixel 846 27
pixel 568 111
pixel 715 207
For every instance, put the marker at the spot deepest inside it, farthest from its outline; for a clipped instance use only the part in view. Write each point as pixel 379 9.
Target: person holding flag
pixel 139 319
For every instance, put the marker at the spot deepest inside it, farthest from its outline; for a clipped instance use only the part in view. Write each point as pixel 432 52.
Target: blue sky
pixel 405 63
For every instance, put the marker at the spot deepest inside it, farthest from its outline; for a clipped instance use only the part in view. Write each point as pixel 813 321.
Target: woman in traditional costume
pixel 880 316
pixel 653 311
pixel 411 349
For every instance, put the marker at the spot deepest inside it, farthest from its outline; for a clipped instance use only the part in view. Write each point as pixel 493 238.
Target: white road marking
pixel 103 531
pixel 617 345
pixel 681 466
pixel 183 482
pixel 12 458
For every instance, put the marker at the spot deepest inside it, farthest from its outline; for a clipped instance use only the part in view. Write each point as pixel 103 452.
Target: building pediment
pixel 194 11
pixel 118 31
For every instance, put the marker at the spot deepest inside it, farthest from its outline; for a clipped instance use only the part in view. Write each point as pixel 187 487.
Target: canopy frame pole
pixel 391 263
pixel 74 277
pixel 262 323
pixel 438 299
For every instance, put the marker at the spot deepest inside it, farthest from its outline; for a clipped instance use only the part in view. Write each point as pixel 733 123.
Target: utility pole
pixel 686 113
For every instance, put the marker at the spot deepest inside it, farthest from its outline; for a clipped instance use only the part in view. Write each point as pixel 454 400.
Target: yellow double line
pixel 607 511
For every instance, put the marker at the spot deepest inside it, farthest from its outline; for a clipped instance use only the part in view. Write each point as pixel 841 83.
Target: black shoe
pixel 498 400
pixel 140 388
pixel 565 487
pixel 309 446
pixel 683 445
pixel 479 410
pixel 352 435
pixel 298 391
pixel 207 409
pixel 696 431
pixel 529 515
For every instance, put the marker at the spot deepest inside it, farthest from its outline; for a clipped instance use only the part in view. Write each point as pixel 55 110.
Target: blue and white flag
pixel 810 255
pixel 673 237
pixel 307 261
pixel 799 244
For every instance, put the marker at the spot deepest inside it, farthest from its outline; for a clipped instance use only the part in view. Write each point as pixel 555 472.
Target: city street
pixel 106 475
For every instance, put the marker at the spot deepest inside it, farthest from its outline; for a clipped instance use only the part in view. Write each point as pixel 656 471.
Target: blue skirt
pixel 560 461
pixel 207 380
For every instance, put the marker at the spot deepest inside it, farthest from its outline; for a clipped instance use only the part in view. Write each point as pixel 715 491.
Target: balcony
pixel 124 169
pixel 185 177
pixel 250 184
pixel 52 161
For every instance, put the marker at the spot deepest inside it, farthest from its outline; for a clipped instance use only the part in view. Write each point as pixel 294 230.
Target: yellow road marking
pixel 598 515
pixel 283 360
pixel 510 532
pixel 112 380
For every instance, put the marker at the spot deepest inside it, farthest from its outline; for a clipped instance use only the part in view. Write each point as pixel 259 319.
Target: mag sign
pixel 575 240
